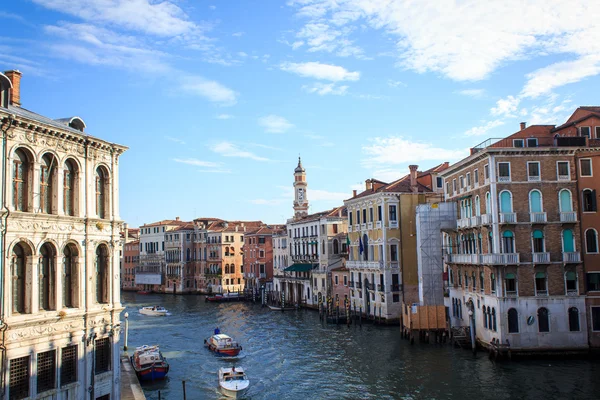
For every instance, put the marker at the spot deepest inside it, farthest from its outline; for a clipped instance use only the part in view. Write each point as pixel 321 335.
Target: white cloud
pixel 197 163
pixel 224 116
pixel 211 90
pixel 476 93
pixel 238 34
pixel 215 171
pixel 395 84
pixel 396 150
pixel 326 88
pixel 275 123
pixel 174 139
pixel 484 129
pixel 320 71
pixel 212 7
pixel 228 149
pixel 506 107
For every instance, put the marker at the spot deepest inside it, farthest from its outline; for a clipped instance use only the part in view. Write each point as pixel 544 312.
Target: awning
pixel 299 268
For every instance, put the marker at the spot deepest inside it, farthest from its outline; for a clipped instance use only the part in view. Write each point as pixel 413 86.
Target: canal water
pixel 292 355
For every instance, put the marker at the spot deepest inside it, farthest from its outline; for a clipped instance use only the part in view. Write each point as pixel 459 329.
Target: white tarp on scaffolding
pixel 432 219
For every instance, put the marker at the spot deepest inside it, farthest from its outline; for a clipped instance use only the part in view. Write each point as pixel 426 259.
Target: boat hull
pixel 153 313
pixel 152 373
pixel 230 352
pixel 232 393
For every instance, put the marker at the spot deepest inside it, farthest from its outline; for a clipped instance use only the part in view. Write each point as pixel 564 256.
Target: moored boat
pixel 223 345
pixel 143 292
pixel 217 298
pixel 233 381
pixel 149 363
pixel 154 310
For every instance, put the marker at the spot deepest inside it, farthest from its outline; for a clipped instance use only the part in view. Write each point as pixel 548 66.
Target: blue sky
pixel 216 99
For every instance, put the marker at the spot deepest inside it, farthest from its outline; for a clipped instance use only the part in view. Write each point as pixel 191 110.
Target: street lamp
pixel 126 329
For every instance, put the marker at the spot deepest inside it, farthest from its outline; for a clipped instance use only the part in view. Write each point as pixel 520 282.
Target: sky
pixel 217 99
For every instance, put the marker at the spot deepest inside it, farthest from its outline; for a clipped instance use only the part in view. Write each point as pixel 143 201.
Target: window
pixel 585 131
pixel 513 321
pixel 543 320
pixel 508 242
pixel 506 205
pixel 589 200
pixel 345 280
pixel 503 172
pixel 336 246
pixel 101 193
pixel 448 188
pixel 379 213
pixel 364 215
pixel 598 132
pixel 532 142
pixel 393 252
pixel 591 241
pixel 510 283
pixel 564 201
pixel 493 283
pixel 47 174
pixel 21 181
pixel 585 165
pixel 485 320
pixel 533 171
pixel 573 319
pixel 46 371
pixel 47 278
pixel 102 274
pixel 538 241
pixel 358 217
pixel 349 219
pixel 541 288
pixel 568 241
pixel 439 182
pixel 103 354
pixel 336 280
pixel 393 216
pixel 461 179
pixel 454 186
pixel 518 143
pixel 571 281
pixel 486 172
pixel 476 177
pixel 468 179
pixel 18 385
pixel 595 319
pixel 563 171
pixel 19 269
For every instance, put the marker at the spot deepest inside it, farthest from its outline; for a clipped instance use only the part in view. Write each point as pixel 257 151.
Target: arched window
pixel 226 268
pixel 513 321
pixel 21 181
pixel 336 246
pixel 485 322
pixel 591 241
pixel 477 206
pixel 568 241
pixel 589 200
pixel 565 201
pixel 482 280
pixel 101 193
pixel 543 320
pixel 494 326
pixel 47 177
pixel 47 280
pixel 505 202
pixel 232 269
pixel 69 277
pixel 102 274
pixel 535 201
pixel 508 242
pixel 510 284
pixel 474 281
pixel 538 241
pixel 573 319
pixel 70 188
pixel 226 251
pixel 19 272
pixel 489 315
pixel 488 203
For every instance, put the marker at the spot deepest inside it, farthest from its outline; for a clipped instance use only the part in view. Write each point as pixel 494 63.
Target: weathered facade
pixel 61 247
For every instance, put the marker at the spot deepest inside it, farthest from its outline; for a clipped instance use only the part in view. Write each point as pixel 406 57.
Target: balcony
pixel 349 228
pixel 476 220
pixel 369 225
pixel 363 226
pixel 508 218
pixel 537 217
pixel 504 178
pixel 500 259
pixel 541 258
pixel 357 228
pixel 365 264
pixel 463 223
pixel 358 285
pixel 394 224
pixel 572 257
pixel 568 217
pixel 395 288
pixel 486 219
pixel 370 286
pixel 564 177
pixel 378 224
pixel 463 258
pixel 263 276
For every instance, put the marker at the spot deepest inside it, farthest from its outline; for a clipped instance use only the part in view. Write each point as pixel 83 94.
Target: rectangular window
pixel 598 132
pixel 585 165
pixel 19 378
pixel 46 371
pixel 379 213
pixel 532 142
pixel 335 227
pixel 476 177
pixel 503 172
pixel 533 171
pixel 393 216
pixel 448 188
pixel 370 215
pixel 454 186
pixel 511 284
pixel 345 280
pixel 468 179
pixel 364 216
pixel 562 171
pixel 595 319
pixel 439 182
pixel 336 280
pixel 261 240
pixel 350 218
pixel 486 171
pixel 358 217
pixel 585 131
pixel 393 252
pixel 518 143
pixel 461 179
pixel 593 281
pixel 103 355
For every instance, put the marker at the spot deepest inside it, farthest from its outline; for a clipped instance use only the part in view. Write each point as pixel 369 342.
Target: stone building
pixel 180 265
pixel 258 257
pixel 514 261
pixel 130 256
pixel 281 256
pixel 59 271
pixel 383 252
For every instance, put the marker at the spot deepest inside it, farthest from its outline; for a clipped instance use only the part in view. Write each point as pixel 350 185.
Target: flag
pixel 360 246
pixel 348 241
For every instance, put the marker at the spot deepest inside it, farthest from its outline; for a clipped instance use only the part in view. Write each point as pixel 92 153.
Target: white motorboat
pixel 156 311
pixel 233 382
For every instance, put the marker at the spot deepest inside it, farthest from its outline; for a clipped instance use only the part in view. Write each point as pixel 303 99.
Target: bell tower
pixel 300 199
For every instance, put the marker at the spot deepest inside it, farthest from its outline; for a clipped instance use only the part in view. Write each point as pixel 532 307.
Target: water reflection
pixel 292 355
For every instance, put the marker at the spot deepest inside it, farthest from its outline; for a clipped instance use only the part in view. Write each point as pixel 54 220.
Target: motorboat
pixel 143 292
pixel 157 311
pixel 149 363
pixel 217 298
pixel 223 345
pixel 233 381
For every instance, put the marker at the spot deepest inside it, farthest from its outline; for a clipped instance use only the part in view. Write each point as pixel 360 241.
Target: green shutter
pixel 510 276
pixel 540 275
pixel 537 234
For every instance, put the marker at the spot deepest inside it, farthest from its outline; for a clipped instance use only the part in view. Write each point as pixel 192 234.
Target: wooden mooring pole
pixel 184 396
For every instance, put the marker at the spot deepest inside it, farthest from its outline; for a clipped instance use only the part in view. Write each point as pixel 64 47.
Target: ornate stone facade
pixel 60 257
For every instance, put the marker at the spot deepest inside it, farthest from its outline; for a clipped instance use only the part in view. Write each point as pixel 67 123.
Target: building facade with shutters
pixel 516 258
pixel 60 259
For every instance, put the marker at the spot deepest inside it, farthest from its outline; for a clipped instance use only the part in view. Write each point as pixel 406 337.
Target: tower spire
pixel 300 185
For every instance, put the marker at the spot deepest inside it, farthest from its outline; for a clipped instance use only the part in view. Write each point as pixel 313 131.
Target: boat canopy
pixel 300 268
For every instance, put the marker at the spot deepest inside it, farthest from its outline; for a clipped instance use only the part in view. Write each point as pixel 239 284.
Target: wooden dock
pixel 130 385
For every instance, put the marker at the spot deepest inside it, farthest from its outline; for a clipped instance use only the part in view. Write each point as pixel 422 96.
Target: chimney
pixel 176 218
pixel 126 232
pixel 368 184
pixel 413 178
pixel 354 193
pixel 523 125
pixel 15 93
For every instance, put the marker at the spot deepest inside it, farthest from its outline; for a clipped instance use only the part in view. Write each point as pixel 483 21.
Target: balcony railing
pixel 463 258
pixel 504 178
pixel 476 220
pixel 356 227
pixel 534 178
pixel 541 258
pixel 378 224
pixel 537 217
pixel 508 218
pixel 394 224
pixel 395 288
pixel 569 216
pixel 363 226
pixel 486 219
pixel 358 285
pixel 500 259
pixel 365 264
pixel 564 177
pixel 369 225
pixel 463 223
pixel 349 228
pixel 572 257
